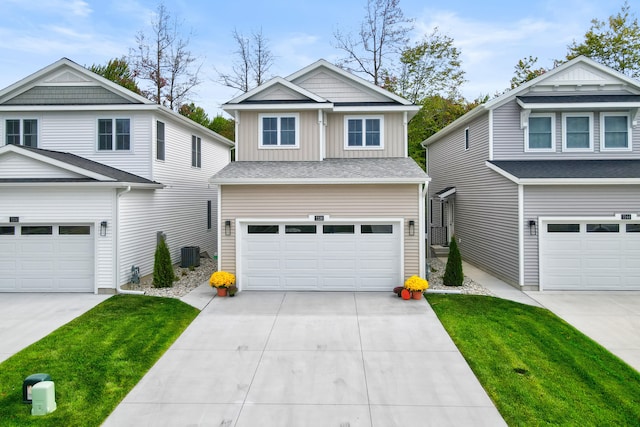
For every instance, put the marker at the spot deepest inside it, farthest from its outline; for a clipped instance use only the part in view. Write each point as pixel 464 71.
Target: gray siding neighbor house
pixel 541 185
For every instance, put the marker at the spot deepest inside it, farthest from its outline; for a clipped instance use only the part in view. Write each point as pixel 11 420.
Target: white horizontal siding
pixel 571 201
pixel 486 204
pixel 337 201
pixel 67 206
pixel 14 165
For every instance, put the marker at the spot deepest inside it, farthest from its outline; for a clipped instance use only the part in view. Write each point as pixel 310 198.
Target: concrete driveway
pixel 26 318
pixel 612 319
pixel 310 359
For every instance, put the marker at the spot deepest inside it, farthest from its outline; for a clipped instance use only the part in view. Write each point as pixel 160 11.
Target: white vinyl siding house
pixel 110 165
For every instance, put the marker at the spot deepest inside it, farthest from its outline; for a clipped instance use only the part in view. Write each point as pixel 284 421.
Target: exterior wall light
pixel 532 227
pixel 412 227
pixel 103 228
pixel 227 228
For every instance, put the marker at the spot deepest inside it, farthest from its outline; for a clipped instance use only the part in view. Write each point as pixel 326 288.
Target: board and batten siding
pixel 248 146
pixel 508 139
pixel 485 205
pixel 394 137
pixel 55 205
pixel 77 133
pixel 570 201
pixel 337 201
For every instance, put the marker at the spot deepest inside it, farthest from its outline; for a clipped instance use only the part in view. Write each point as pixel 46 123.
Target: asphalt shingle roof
pixel 570 168
pixel 373 169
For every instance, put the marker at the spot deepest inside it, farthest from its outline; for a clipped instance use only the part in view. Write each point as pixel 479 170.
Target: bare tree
pixel 383 33
pixel 162 59
pixel 252 64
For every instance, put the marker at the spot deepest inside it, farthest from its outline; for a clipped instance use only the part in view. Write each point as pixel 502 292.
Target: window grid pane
pixel 288 131
pixel 105 134
pixel 269 131
pixel 123 134
pixel 540 132
pixel 615 132
pixel 160 141
pixel 373 132
pixel 13 131
pixel 30 132
pixel 577 132
pixel 355 133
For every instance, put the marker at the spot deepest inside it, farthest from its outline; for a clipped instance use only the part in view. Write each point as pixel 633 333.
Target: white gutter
pixel 422 230
pixel 115 248
pixel 312 181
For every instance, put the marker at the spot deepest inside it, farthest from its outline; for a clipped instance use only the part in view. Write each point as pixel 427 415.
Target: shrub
pixel 163 274
pixel 453 275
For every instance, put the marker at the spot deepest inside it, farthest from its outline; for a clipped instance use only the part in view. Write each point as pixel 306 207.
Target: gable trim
pixel 273 82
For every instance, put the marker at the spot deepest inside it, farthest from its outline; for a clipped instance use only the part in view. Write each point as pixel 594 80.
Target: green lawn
pixel 95 360
pixel 538 369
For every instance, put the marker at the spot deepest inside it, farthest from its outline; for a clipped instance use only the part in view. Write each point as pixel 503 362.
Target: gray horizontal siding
pixel 508 139
pixel 571 201
pixel 67 95
pixel 486 204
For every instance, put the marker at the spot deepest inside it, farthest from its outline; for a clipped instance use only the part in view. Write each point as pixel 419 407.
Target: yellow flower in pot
pixel 222 280
pixel 417 285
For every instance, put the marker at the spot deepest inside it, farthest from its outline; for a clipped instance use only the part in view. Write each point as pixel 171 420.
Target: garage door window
pixel 338 229
pixel 603 228
pixel 36 230
pixel 74 230
pixel 7 231
pixel 376 229
pixel 263 229
pixel 563 228
pixel 633 228
pixel 300 229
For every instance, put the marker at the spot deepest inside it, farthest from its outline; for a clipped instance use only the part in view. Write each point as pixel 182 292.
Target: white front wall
pixel 78 205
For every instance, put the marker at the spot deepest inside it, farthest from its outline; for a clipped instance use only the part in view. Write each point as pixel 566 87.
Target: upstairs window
pixel 114 134
pixel 539 135
pixel 159 140
pixel 577 132
pixel 196 151
pixel 466 139
pixel 614 132
pixel 279 131
pixel 22 132
pixel 364 132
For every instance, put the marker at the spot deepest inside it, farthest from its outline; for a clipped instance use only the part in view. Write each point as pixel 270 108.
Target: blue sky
pixel 492 35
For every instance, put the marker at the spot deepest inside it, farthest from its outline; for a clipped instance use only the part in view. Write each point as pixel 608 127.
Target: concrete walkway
pixel 28 317
pixel 309 359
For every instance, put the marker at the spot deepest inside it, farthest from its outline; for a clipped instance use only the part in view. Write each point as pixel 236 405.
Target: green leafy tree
pixel 223 126
pixel 453 275
pixel 614 42
pixel 118 71
pixel 430 67
pixel 195 113
pixel 384 32
pixel 526 69
pixel 163 275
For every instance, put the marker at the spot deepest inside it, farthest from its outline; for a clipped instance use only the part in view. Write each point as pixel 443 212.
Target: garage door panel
pixel 333 282
pixel 301 283
pixel 263 282
pixel 301 263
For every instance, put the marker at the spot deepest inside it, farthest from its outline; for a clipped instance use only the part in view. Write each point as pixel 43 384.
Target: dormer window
pixel 279 130
pixel 577 132
pixel 615 132
pixel 540 132
pixel 364 132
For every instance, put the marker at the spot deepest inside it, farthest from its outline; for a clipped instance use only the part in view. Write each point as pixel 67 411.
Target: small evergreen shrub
pixel 163 275
pixel 453 275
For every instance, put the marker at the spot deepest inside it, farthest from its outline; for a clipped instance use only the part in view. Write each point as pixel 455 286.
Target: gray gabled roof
pixel 114 174
pixel 569 169
pixel 339 171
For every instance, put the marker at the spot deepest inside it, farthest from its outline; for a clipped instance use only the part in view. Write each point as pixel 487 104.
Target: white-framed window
pixel 540 133
pixel 279 130
pixel 160 145
pixel 196 151
pixel 615 132
pixel 363 132
pixel 577 132
pixel 466 139
pixel 21 132
pixel 114 134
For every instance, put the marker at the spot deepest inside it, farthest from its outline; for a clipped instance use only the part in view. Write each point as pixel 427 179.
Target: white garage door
pixel 46 258
pixel 590 256
pixel 326 257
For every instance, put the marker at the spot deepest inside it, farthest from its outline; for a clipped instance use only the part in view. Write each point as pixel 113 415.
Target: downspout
pixel 320 138
pixel 117 252
pixel 422 233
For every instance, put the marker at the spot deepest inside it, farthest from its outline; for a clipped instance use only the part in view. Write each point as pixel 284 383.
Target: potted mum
pixel 221 280
pixel 416 285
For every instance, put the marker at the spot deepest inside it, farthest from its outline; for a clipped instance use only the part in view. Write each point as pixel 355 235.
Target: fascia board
pixel 100 184
pixel 229 108
pixel 578 105
pixel 316 181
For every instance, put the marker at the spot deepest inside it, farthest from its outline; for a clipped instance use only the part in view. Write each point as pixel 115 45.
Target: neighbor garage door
pixel 46 258
pixel 589 255
pixel 331 257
